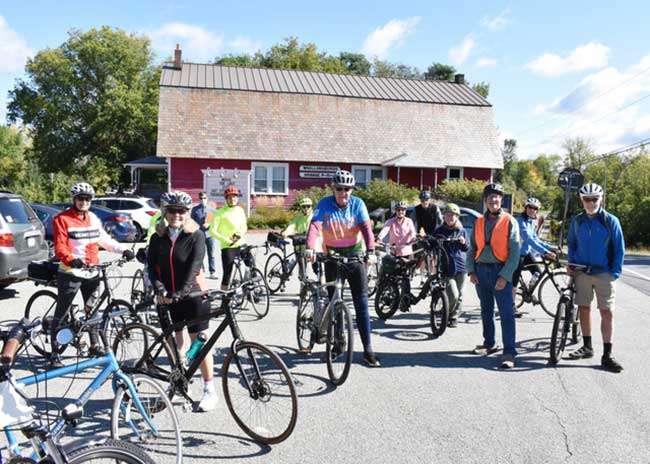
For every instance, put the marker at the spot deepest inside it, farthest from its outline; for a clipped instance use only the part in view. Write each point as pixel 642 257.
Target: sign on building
pixel 317 172
pixel 215 182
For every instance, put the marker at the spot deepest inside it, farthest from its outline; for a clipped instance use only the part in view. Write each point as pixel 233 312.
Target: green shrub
pixel 467 190
pixel 315 193
pixel 269 217
pixel 380 193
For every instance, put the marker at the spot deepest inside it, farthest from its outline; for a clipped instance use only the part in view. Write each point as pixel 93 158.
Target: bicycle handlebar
pixel 16 337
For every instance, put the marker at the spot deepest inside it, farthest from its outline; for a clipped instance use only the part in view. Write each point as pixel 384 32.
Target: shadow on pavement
pixel 307 385
pixel 7 293
pixel 212 445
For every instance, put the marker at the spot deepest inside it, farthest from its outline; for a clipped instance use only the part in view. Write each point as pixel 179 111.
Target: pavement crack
pixel 562 384
pixel 563 427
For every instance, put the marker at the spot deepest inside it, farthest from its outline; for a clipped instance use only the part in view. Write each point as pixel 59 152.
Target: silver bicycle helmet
pixel 534 202
pixel 591 190
pixel 343 179
pixel 178 199
pixel 82 188
pixel 401 205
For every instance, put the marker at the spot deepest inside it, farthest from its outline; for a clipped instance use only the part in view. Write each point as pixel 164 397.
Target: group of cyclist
pixel 492 257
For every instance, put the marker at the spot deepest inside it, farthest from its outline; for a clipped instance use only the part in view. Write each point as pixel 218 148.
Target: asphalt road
pixel 432 401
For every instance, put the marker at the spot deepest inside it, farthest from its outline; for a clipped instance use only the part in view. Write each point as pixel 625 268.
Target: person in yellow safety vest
pixel 299 226
pixel 228 226
pixel 492 258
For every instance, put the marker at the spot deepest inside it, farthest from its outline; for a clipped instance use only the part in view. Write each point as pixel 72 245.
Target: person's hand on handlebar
pixel 550 255
pixel 371 258
pixel 473 278
pixel 77 263
pixel 128 255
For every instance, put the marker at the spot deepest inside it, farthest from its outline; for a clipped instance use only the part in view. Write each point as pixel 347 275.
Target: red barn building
pixel 292 129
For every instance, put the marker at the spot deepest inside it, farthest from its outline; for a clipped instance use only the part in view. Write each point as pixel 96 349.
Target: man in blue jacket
pixel 200 215
pixel 596 240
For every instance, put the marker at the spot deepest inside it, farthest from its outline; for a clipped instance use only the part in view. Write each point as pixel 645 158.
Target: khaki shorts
pixel 600 284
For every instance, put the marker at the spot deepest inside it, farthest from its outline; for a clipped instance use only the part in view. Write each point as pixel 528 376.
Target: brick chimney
pixel 459 79
pixel 178 61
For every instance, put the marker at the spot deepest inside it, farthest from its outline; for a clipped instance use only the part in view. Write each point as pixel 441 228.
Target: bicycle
pixel 141 411
pixel 394 289
pixel 541 292
pixel 255 290
pixel 41 305
pixel 255 381
pixel 374 270
pixel 323 320
pixel 142 293
pixel 279 267
pixel 566 317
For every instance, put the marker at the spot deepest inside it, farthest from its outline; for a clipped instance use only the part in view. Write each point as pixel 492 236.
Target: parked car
pixel 141 209
pixel 119 225
pixel 22 238
pixel 46 214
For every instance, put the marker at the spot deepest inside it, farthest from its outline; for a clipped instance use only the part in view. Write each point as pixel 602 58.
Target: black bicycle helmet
pixel 493 188
pixel 425 195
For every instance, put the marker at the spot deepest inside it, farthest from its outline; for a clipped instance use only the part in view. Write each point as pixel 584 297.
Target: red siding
pixel 477 173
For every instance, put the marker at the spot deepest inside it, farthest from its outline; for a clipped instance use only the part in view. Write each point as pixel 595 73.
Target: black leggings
pixel 525 261
pixel 228 256
pixel 68 285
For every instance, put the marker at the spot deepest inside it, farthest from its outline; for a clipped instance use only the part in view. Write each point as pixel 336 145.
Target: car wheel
pixel 139 234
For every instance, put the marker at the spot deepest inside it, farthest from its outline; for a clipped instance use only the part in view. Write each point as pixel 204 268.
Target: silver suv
pixel 22 238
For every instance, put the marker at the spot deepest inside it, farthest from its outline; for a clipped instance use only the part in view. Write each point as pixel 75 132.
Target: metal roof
pixel 209 76
pixel 148 161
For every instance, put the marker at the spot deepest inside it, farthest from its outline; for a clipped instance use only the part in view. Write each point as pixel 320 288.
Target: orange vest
pixel 499 240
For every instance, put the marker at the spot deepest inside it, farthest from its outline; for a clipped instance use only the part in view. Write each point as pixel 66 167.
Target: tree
pixel 481 88
pixel 91 104
pixel 244 60
pixel 386 69
pixel 13 165
pixel 440 72
pixel 356 63
pixel 578 153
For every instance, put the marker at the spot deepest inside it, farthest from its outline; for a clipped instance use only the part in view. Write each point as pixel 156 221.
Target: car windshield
pixel 14 211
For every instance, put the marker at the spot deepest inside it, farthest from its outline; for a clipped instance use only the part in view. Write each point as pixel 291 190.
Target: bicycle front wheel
pixel 273 273
pixel 386 298
pixel 373 276
pixel 154 427
pixel 559 333
pixel 260 393
pixel 109 452
pixel 439 312
pixel 136 351
pixel 305 321
pixel 258 293
pixel 339 344
pixel 548 295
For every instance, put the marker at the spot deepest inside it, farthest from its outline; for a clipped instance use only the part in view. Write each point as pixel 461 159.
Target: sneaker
pixel 213 275
pixel 581 353
pixel 508 362
pixel 610 364
pixel 452 323
pixel 485 350
pixel 209 400
pixel 370 360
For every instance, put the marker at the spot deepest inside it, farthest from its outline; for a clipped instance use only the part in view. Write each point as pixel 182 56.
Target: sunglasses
pixel 83 198
pixel 176 211
pixel 590 199
pixel 534 208
pixel 343 189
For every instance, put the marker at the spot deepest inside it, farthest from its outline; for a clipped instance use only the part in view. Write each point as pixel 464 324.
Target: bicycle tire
pixel 305 321
pixel 373 278
pixel 258 293
pixel 547 294
pixel 117 323
pixel 519 294
pixel 253 364
pixel 136 351
pixel 42 304
pixel 112 450
pixel 439 312
pixel 164 444
pixel 137 287
pixel 339 342
pixel 558 337
pixel 273 272
pixel 386 298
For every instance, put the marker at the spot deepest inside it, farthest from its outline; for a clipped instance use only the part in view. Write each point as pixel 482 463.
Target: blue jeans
pixel 487 278
pixel 210 247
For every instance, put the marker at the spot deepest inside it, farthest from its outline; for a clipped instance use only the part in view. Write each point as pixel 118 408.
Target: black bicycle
pixel 394 284
pixel 258 389
pixel 280 265
pixel 565 320
pixel 542 289
pixel 42 304
pixel 245 275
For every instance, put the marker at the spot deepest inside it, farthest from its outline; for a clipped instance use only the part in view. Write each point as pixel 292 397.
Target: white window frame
pixel 369 169
pixel 462 172
pixel 269 178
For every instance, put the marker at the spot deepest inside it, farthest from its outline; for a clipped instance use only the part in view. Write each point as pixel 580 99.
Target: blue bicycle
pixel 142 413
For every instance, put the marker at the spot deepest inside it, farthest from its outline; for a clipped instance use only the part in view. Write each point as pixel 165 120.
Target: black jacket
pixel 174 267
pixel 427 218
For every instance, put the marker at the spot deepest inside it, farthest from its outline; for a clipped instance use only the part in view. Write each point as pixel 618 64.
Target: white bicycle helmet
pixel 534 202
pixel 82 188
pixel 591 190
pixel 164 199
pixel 343 179
pixel 401 205
pixel 178 199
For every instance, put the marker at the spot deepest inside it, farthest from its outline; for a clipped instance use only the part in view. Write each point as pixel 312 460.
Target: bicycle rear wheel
pixel 258 294
pixel 548 295
pixel 109 452
pixel 259 392
pixel 559 333
pixel 339 344
pixel 155 428
pixel 137 287
pixel 439 316
pixel 273 273
pixel 386 298
pixel 135 350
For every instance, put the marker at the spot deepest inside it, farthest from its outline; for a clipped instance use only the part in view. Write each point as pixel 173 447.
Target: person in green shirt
pixel 228 226
pixel 299 226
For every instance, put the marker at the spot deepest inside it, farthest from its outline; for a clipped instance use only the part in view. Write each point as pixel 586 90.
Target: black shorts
pixel 189 309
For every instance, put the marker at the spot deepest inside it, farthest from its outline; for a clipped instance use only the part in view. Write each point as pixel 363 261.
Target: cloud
pixel 609 107
pixel 13 49
pixel 198 44
pixel 592 55
pixel 244 45
pixel 486 62
pixel 459 54
pixel 379 41
pixel 498 22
